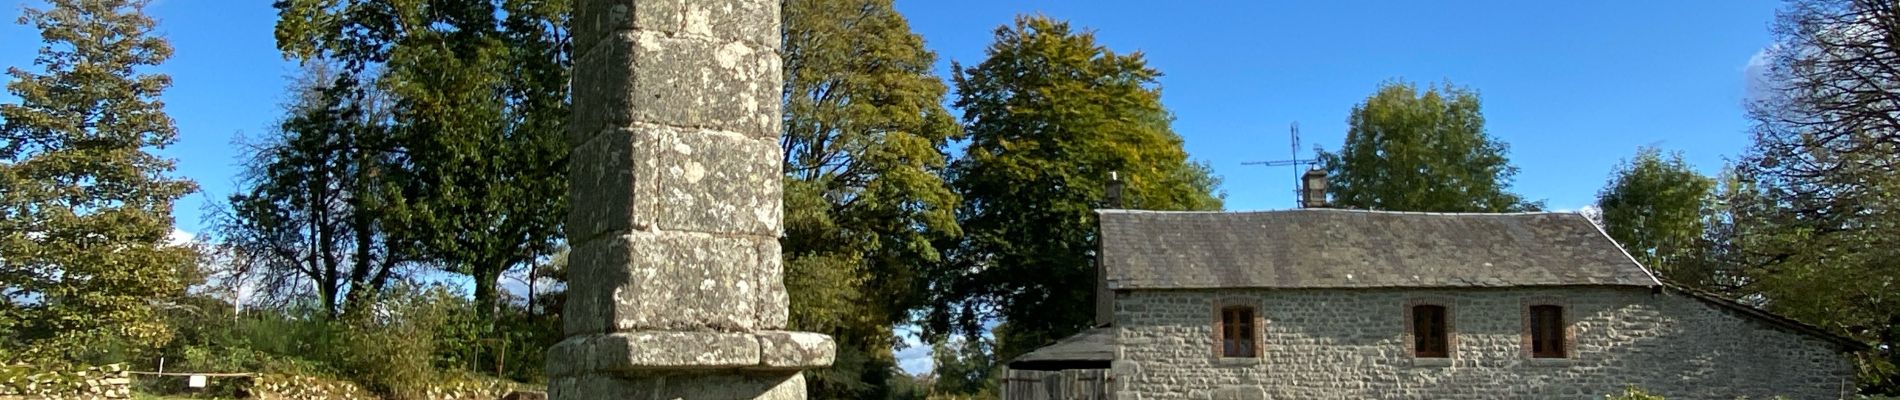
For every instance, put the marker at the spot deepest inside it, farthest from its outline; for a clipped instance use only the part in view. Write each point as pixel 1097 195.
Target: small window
pixel 1547 332
pixel 1429 332
pixel 1237 332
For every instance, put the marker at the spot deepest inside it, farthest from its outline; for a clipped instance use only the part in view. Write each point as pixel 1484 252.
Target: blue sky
pixel 1573 87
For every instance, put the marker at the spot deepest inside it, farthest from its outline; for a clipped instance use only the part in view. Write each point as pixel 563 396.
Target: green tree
pixel 865 199
pixel 313 211
pixel 966 366
pixel 1656 207
pixel 1823 225
pixel 479 106
pixel 1412 151
pixel 1050 114
pixel 86 210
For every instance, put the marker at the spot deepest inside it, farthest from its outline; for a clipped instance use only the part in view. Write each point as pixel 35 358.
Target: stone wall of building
pixel 1351 344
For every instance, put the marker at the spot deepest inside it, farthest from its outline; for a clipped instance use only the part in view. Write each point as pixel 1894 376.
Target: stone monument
pixel 675 288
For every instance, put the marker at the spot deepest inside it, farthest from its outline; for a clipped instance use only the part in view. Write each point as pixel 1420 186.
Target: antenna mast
pixel 1295 162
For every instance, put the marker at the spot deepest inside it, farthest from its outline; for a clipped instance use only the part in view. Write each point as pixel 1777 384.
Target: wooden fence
pixel 1072 384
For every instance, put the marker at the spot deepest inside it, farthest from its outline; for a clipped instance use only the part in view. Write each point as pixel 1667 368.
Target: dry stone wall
pixel 1349 344
pixel 23 381
pixel 295 387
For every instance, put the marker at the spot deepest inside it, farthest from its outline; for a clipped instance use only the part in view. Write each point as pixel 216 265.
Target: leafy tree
pixel 318 198
pixel 967 366
pixel 1823 227
pixel 86 210
pixel 865 200
pixel 1412 151
pixel 1655 207
pixel 1719 260
pixel 1050 114
pixel 479 104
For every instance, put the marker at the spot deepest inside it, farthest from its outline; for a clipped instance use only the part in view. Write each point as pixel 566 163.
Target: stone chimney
pixel 1113 197
pixel 675 218
pixel 1313 189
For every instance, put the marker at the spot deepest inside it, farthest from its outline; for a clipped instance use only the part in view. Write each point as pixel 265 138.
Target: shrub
pixel 392 349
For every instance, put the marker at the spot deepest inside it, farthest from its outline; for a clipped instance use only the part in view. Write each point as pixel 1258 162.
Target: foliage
pixel 514 348
pixel 966 366
pixel 1823 224
pixel 1655 207
pixel 394 350
pixel 1050 114
pixel 903 386
pixel 319 199
pixel 411 339
pixel 1412 151
pixel 86 210
pixel 479 103
pixel 865 200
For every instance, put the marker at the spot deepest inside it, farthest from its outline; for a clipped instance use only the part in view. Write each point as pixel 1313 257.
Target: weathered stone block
pixel 612 180
pixel 680 386
pixel 651 350
pixel 666 280
pixel 683 81
pixel 754 21
pixel 795 350
pixel 720 182
pixel 631 178
pixel 774 305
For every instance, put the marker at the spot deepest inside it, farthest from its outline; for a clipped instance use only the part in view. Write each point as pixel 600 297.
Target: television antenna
pixel 1296 162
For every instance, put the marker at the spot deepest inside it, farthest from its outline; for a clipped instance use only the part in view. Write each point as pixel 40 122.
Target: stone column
pixel 674 284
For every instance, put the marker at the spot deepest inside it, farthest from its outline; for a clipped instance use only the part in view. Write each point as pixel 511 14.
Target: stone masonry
pixel 676 290
pixel 1333 343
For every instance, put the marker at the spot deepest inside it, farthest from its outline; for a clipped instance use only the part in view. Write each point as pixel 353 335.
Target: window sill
pixel 1431 361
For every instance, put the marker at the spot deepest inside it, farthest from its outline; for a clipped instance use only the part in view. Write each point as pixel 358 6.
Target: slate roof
pixel 1335 248
pixel 1091 349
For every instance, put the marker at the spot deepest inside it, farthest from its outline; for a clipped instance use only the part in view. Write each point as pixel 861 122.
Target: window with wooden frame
pixel 1431 331
pixel 1548 336
pixel 1237 332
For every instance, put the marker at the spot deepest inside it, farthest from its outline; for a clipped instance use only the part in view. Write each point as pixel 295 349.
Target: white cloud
pixel 179 237
pixel 915 357
pixel 915 360
pixel 1755 80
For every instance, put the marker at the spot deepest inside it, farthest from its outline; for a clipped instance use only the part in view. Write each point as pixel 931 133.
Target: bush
pixel 392 349
pixel 408 337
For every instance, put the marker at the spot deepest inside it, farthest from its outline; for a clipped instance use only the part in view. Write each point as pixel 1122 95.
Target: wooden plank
pixel 1085 384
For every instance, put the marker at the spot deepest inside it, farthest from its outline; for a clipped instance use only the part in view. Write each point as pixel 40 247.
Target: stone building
pixel 1342 304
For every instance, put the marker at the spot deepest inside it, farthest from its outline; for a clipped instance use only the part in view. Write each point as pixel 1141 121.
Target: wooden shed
pixel 1074 368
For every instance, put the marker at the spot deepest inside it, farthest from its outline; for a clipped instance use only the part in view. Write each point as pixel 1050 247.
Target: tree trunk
pixel 487 292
